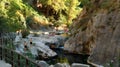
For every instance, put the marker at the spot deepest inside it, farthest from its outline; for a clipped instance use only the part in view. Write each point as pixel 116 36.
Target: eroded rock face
pixel 97 32
pixel 107 39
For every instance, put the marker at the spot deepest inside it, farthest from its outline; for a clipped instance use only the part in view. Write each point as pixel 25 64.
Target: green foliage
pixel 25 33
pixel 55 4
pixel 16 14
pixel 106 4
pixel 29 55
pixel 9 18
pixel 10 45
pixel 85 2
pixel 2 24
pixel 36 35
pixel 13 14
pixel 67 10
pixel 62 60
pixel 72 10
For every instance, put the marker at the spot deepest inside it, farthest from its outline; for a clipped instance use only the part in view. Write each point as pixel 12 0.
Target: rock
pixel 66 65
pixel 46 33
pixel 79 65
pixel 95 65
pixel 18 38
pixel 96 32
pixel 43 64
pixel 107 39
pixel 61 65
pixel 34 51
pixel 58 65
pixel 4 64
pixel 45 49
pixel 51 66
pixel 56 39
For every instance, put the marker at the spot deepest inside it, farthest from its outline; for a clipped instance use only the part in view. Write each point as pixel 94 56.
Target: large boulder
pixel 4 64
pixel 58 65
pixel 96 32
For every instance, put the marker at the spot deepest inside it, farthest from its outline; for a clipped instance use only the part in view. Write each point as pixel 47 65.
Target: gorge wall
pixel 96 32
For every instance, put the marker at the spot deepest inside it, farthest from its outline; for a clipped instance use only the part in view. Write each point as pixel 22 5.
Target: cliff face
pixel 96 31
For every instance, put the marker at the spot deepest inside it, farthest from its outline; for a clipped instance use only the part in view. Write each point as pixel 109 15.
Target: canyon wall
pixel 96 32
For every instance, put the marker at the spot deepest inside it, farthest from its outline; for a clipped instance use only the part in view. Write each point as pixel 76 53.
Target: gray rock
pixel 61 65
pixel 4 64
pixel 43 64
pixel 97 33
pixel 58 65
pixel 79 65
pixel 66 65
pixel 51 66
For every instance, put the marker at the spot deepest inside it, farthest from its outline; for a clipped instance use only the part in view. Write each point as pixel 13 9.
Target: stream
pixel 49 48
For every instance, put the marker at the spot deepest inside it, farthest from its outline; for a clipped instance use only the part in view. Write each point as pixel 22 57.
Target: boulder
pixel 61 65
pixel 96 32
pixel 79 65
pixel 43 64
pixel 58 65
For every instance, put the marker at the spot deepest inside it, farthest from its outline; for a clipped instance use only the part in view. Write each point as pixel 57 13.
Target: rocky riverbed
pixel 48 49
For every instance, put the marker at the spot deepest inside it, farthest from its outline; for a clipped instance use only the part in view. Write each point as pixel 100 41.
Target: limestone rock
pixel 96 32
pixel 4 64
pixel 43 64
pixel 61 65
pixel 79 65
pixel 58 65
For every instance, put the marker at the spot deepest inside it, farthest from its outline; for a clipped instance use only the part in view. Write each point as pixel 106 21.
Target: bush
pixel 85 3
pixel 25 33
pixel 106 4
pixel 36 35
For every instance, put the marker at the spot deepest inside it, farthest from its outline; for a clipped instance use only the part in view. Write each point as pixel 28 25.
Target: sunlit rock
pixel 44 49
pixel 4 64
pixel 43 64
pixel 79 65
pixel 96 32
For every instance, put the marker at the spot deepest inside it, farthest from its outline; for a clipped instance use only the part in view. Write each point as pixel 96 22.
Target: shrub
pixel 25 33
pixel 106 4
pixel 36 35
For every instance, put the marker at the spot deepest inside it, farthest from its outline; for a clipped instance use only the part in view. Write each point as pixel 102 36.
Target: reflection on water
pixel 63 57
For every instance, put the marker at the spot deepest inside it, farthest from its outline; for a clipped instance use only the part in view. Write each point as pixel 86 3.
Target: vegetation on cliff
pixel 20 14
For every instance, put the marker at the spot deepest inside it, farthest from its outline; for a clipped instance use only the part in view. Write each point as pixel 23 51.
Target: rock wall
pixel 96 31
